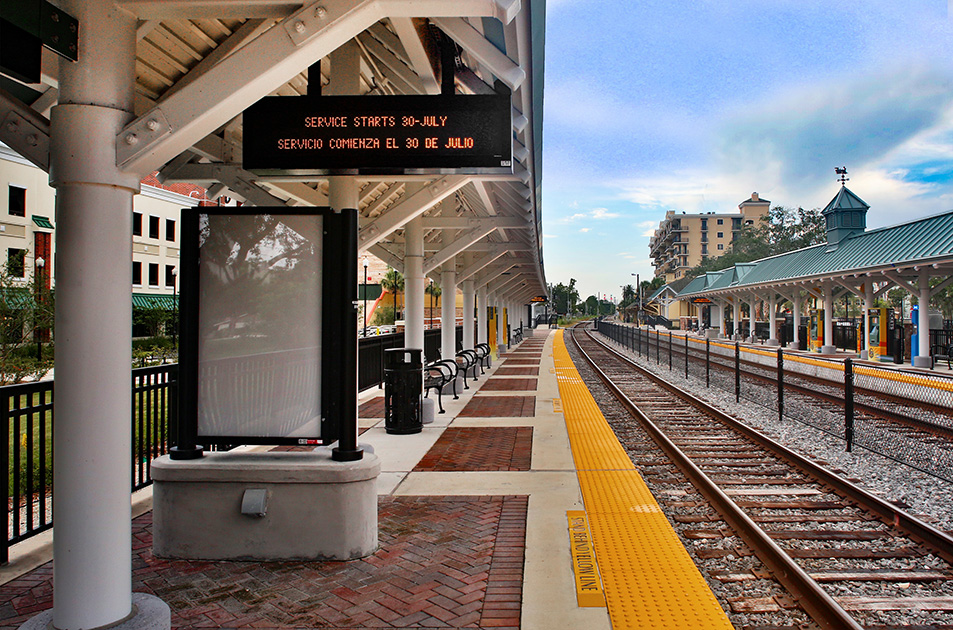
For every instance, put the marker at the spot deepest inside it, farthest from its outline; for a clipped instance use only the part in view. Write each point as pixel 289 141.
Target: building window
pixel 704 249
pixel 137 224
pixel 721 235
pixel 16 262
pixel 720 246
pixel 153 274
pixel 170 276
pixel 721 221
pixel 170 229
pixel 153 227
pixel 704 224
pixel 137 273
pixel 17 205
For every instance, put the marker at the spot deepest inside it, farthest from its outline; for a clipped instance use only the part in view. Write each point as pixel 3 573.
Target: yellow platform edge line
pixel 650 580
pixel 589 591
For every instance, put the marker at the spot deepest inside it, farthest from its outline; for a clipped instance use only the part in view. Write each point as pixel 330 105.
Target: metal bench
pixel 466 359
pixel 943 353
pixel 518 335
pixel 437 375
pixel 483 354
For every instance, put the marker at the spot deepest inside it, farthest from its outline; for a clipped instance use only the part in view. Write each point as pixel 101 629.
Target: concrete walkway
pixel 473 530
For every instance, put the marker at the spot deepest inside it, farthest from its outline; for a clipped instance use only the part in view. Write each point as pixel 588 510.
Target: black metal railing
pixel 370 354
pixel 923 398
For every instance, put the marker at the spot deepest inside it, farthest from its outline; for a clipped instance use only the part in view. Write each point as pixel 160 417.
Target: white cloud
pixel 603 213
pixel 584 230
pixel 595 213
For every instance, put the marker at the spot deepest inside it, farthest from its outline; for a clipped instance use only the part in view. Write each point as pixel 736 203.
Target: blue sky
pixel 659 105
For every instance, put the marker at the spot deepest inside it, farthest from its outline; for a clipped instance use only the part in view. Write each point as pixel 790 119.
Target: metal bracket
pixel 139 133
pixel 27 139
pixel 310 20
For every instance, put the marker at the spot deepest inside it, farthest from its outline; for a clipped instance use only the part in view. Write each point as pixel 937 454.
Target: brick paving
pixel 516 371
pixel 499 406
pixel 373 408
pixel 443 562
pixel 519 362
pixel 509 385
pixel 480 448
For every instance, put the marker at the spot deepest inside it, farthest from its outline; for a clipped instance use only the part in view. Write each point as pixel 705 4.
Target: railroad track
pixel 895 425
pixel 847 558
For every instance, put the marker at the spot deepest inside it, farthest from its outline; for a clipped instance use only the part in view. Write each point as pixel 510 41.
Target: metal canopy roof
pixel 890 252
pixel 200 63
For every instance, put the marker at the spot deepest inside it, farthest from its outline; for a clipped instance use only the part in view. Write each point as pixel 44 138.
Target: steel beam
pixel 457 246
pixel 471 40
pixel 408 208
pixel 24 130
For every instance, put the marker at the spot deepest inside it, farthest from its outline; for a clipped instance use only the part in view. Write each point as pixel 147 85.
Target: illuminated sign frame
pixel 334 298
pixel 379 134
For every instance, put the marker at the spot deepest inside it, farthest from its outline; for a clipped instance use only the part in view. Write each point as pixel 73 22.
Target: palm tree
pixel 433 289
pixel 393 280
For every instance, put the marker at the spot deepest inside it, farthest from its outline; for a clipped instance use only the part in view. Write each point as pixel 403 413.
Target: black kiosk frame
pixel 330 414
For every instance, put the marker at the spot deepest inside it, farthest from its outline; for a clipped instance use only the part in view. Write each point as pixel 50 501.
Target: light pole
pixel 430 318
pixel 38 280
pixel 175 309
pixel 364 262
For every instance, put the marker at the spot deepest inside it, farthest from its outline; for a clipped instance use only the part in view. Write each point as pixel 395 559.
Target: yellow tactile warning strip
pixel 589 592
pixel 650 580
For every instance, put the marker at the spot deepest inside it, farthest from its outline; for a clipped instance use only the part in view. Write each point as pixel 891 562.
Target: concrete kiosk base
pixel 828 349
pixel 148 613
pixel 922 362
pixel 712 333
pixel 314 508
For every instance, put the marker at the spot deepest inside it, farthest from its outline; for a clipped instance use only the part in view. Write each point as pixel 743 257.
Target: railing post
pixel 658 345
pixel 686 354
pixel 780 384
pixel 737 372
pixel 849 403
pixel 707 362
pixel 4 467
pixel 670 350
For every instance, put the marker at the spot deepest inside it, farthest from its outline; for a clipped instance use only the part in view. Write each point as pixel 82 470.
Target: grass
pixel 36 434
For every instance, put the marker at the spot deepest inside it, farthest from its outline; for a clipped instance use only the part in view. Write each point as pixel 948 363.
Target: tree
pixel 393 282
pixel 434 291
pixel 153 317
pixel 782 230
pixel 565 297
pixel 592 305
pixel 25 308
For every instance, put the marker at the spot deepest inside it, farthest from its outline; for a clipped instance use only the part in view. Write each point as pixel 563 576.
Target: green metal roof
pixel 845 200
pixel 42 221
pixel 146 300
pixel 923 241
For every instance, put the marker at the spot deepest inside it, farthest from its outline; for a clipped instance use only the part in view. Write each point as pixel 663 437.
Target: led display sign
pixel 379 134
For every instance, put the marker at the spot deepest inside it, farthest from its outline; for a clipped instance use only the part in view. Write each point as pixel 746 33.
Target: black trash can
pixel 403 385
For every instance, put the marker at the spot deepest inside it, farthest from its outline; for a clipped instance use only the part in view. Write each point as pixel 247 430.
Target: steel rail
pixel 820 606
pixel 938 542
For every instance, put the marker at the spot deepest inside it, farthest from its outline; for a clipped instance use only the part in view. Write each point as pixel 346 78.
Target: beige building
pixel 27 225
pixel 683 241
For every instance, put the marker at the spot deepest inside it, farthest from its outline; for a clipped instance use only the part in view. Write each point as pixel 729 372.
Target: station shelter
pixel 126 88
pixel 916 256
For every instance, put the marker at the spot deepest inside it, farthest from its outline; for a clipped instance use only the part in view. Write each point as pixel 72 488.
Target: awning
pixel 42 222
pixel 146 300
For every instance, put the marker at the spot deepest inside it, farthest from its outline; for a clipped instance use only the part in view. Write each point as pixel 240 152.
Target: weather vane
pixel 842 171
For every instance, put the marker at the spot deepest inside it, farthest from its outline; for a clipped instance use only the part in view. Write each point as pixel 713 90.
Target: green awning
pixel 146 300
pixel 42 222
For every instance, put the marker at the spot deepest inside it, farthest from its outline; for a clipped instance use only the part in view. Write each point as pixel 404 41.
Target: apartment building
pixel 684 240
pixel 27 226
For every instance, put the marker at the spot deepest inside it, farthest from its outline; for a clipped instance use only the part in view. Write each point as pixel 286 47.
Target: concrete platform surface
pixel 472 522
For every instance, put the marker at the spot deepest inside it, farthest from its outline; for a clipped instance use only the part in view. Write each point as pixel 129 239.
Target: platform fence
pixel 918 396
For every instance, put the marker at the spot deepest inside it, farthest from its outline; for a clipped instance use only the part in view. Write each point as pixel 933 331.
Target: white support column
pixel 752 317
pixel 773 321
pixel 482 305
pixel 448 311
pixel 92 571
pixel 468 298
pixel 720 321
pixel 923 324
pixel 796 341
pixel 736 320
pixel 868 304
pixel 828 347
pixel 414 283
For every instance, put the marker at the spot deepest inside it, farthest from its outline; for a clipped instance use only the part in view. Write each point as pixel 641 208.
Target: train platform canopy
pixel 895 255
pixel 200 65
